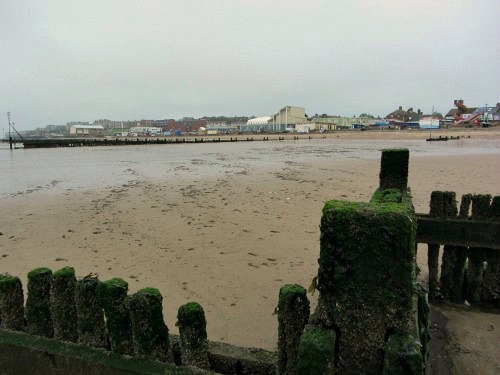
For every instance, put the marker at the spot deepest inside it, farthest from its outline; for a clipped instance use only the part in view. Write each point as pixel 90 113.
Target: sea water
pixel 57 169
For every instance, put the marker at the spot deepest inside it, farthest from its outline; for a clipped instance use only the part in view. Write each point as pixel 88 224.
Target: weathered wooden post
pixel 63 306
pixel 11 303
pixel 112 295
pixel 293 314
pixel 149 331
pixel 458 273
pixel 449 252
pixel 193 335
pixel 367 274
pixel 91 327
pixel 394 169
pixel 436 210
pixel 38 318
pixel 490 287
pixel 475 269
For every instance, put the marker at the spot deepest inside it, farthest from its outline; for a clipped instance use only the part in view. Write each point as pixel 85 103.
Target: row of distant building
pixel 287 119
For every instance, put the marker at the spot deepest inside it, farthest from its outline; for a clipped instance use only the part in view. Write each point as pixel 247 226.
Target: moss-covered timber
pixel 475 269
pixel 424 318
pixel 459 232
pixel 149 331
pixel 490 286
pixel 435 210
pixel 402 355
pixel 21 353
pixel 63 305
pixel 293 314
pixel 11 303
pixel 316 352
pixel 365 278
pixel 91 327
pixel 394 169
pixel 38 318
pixel 495 208
pixel 448 261
pixel 193 335
pixel 457 276
pixel 112 295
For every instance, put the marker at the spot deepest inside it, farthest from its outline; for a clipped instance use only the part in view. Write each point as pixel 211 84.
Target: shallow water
pixel 59 169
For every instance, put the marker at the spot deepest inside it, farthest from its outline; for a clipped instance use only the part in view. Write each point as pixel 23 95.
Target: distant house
pixel 450 116
pixel 86 130
pixel 404 116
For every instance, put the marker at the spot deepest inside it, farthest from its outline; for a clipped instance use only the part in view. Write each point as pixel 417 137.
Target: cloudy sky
pixel 75 60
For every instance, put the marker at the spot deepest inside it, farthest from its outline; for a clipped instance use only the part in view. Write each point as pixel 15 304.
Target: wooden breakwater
pixel 469 236
pixel 445 138
pixel 93 142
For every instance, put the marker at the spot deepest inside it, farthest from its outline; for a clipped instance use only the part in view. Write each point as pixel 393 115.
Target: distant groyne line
pixel 82 142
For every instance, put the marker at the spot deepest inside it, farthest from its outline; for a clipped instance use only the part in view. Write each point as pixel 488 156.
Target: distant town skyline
pixel 130 60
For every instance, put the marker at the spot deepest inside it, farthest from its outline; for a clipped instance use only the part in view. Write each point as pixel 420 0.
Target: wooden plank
pixel 458 232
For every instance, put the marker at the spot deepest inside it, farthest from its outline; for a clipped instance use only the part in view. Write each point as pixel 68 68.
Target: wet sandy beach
pixel 226 230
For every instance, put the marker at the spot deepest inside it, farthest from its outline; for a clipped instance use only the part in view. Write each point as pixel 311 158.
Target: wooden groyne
pixel 470 239
pixel 88 142
pixel 445 138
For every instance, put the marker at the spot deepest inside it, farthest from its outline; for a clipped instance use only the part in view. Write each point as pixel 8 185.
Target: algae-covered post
pixel 394 169
pixel 293 314
pixel 112 295
pixel 448 260
pixel 149 331
pixel 436 210
pixel 38 318
pixel 457 276
pixel 91 328
pixel 316 352
pixel 11 303
pixel 193 335
pixel 367 274
pixel 63 306
pixel 480 211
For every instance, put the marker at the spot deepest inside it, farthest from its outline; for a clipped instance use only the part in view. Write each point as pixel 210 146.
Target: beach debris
pixel 314 285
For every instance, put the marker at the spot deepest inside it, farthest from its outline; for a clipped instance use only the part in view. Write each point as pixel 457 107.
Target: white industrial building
pixel 86 129
pixel 256 125
pixel 145 130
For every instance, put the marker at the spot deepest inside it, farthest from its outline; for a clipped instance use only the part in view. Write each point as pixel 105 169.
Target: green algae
pixel 316 352
pixel 402 355
pixel 11 303
pixel 293 314
pixel 63 305
pixel 91 326
pixel 38 317
pixel 112 295
pixel 193 335
pixel 149 331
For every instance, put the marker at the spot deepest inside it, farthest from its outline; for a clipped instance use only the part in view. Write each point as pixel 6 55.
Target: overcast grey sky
pixel 84 60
